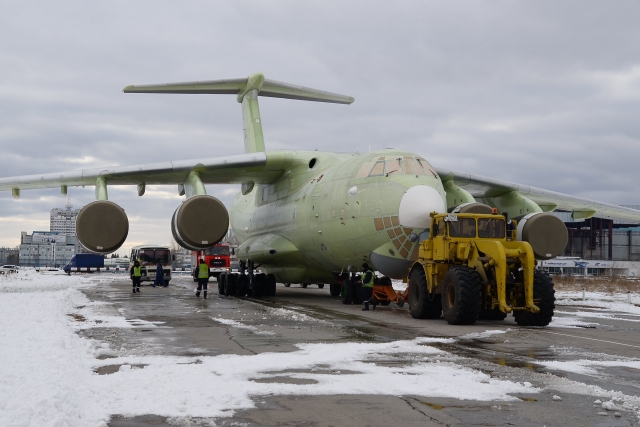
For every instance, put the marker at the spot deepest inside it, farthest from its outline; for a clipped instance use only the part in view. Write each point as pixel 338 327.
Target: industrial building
pixel 46 249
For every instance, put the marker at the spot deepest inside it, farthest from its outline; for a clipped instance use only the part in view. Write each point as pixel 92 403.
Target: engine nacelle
pixel 546 233
pixel 473 208
pixel 200 222
pixel 102 226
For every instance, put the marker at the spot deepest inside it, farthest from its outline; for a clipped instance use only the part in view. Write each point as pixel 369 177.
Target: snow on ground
pixel 47 370
pixel 569 322
pixel 613 302
pixel 588 367
pixel 240 325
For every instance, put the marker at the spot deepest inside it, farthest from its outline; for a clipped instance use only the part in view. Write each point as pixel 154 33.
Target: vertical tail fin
pixel 247 90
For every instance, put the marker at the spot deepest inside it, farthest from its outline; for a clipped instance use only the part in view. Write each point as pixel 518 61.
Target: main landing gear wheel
pixel 222 278
pixel 270 288
pixel 242 285
pixel 259 284
pixel 230 285
pixel 422 304
pixel 544 297
pixel 461 296
pixel 334 290
pixel 347 292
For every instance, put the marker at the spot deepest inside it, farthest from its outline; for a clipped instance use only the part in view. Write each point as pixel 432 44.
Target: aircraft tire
pixel 335 290
pixel 461 296
pixel 543 292
pixel 259 282
pixel 347 291
pixel 242 285
pixel 230 285
pixel 422 305
pixel 221 281
pixel 270 289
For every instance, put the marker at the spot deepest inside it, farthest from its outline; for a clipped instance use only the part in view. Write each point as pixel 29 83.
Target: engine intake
pixel 102 226
pixel 200 222
pixel 546 233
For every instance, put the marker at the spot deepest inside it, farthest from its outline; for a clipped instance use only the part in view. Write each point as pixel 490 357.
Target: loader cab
pixel 470 226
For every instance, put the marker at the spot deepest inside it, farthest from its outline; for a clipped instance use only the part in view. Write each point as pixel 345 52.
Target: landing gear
pixel 270 288
pixel 242 285
pixel 334 290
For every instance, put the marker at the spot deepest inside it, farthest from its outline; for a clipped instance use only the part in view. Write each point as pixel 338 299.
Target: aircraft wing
pixel 481 187
pixel 259 168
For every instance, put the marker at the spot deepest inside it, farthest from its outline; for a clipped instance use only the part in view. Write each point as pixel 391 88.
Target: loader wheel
pixel 347 292
pixel 461 296
pixel 334 290
pixel 422 305
pixel 544 297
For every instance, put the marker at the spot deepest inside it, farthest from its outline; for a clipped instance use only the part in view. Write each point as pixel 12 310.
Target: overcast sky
pixel 540 93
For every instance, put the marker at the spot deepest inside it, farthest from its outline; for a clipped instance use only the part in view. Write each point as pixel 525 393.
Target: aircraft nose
pixel 416 205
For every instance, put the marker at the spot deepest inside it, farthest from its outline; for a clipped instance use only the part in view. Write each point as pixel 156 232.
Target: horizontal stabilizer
pixel 239 86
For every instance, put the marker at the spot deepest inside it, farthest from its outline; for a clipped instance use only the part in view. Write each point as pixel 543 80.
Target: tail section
pixel 247 90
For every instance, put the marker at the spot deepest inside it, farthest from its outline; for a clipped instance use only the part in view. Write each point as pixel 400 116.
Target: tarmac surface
pixel 512 355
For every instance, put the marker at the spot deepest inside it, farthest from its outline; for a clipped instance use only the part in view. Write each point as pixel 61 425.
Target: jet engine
pixel 200 222
pixel 546 233
pixel 472 208
pixel 102 226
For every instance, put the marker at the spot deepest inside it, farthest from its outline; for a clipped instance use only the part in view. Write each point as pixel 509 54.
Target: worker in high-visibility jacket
pixel 135 275
pixel 203 278
pixel 366 288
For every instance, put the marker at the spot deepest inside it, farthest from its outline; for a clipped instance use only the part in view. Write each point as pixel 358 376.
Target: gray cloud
pixel 542 93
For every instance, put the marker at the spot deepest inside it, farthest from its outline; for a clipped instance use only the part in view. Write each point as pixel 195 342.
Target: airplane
pixel 310 216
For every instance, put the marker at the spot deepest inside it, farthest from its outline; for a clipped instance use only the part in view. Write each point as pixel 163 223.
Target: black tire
pixel 286 285
pixel 259 284
pixel 221 281
pixel 230 285
pixel 335 290
pixel 270 288
pixel 304 285
pixel 544 297
pixel 347 292
pixel 385 303
pixel 494 314
pixel 422 305
pixel 461 296
pixel 385 281
pixel 320 285
pixel 242 285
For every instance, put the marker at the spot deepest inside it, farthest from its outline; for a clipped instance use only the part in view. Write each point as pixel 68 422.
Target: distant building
pixel 64 220
pixel 46 249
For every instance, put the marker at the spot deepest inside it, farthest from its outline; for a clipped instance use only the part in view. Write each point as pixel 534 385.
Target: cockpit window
pixel 394 166
pixel 408 167
pixel 378 169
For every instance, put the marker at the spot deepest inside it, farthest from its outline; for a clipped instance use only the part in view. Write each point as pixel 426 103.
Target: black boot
pixel 205 294
pixel 198 294
pixel 366 306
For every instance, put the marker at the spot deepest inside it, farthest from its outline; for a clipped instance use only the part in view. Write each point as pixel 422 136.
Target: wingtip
pixel 128 88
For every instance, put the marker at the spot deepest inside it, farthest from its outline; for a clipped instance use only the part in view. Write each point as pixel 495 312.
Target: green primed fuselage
pixel 329 213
